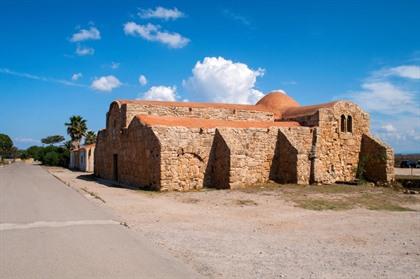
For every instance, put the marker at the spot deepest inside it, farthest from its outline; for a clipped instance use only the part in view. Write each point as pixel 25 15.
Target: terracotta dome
pixel 277 101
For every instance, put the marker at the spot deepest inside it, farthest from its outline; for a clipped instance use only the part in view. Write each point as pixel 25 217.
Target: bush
pixel 50 155
pixel 52 158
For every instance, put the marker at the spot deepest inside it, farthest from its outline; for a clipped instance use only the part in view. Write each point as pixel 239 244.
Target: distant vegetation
pixel 7 149
pixel 55 150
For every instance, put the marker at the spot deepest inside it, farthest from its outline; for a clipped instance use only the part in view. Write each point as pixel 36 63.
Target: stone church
pixel 182 146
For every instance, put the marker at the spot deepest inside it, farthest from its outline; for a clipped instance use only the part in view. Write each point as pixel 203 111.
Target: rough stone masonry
pixel 180 146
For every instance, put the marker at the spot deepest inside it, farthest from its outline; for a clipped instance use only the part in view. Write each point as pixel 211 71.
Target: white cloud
pixel 41 78
pixel 236 17
pixel 86 34
pixel 403 132
pixel 161 93
pixel 404 71
pixel 76 76
pixel 153 33
pixel 394 105
pixel 83 51
pixel 388 128
pixel 106 83
pixel 386 98
pixel 161 13
pixel 220 80
pixel 142 80
pixel 279 91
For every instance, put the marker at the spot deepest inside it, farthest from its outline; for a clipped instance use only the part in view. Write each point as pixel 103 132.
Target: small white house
pixel 83 158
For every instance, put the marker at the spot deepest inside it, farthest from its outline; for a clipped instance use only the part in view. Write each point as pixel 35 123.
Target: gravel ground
pixel 237 234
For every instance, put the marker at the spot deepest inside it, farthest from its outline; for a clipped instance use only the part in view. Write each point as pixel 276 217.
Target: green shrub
pixel 50 155
pixel 51 158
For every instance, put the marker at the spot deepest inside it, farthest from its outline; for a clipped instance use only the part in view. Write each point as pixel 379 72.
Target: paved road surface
pixel 48 230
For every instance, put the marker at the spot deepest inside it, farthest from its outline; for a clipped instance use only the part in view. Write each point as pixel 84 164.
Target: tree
pixel 90 137
pixel 52 139
pixel 76 129
pixel 6 145
pixel 67 144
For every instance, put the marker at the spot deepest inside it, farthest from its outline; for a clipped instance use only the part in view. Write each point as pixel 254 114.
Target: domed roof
pixel 277 101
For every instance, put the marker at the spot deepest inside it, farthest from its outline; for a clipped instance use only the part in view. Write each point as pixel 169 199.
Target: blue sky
pixel 60 58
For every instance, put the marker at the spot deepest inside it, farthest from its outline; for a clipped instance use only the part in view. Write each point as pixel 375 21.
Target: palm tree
pixel 90 137
pixel 76 129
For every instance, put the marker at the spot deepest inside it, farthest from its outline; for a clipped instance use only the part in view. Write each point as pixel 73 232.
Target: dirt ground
pixel 273 231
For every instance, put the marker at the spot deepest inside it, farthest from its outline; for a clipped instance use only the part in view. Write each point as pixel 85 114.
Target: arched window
pixel 343 123
pixel 349 124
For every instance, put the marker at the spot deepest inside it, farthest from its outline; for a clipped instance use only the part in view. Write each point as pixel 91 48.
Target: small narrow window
pixel 234 111
pixel 343 123
pixel 115 123
pixel 190 109
pixel 349 124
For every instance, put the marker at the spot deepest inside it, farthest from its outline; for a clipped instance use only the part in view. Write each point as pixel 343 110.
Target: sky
pixel 64 58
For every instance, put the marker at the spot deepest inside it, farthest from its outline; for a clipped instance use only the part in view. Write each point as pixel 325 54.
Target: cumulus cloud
pixel 404 71
pixel 218 79
pixel 161 13
pixel 83 51
pixel 154 33
pixel 76 76
pixel 386 98
pixel 142 80
pixel 86 34
pixel 160 93
pixel 106 83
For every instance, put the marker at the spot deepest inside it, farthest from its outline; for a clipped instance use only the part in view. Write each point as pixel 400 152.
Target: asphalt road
pixel 48 230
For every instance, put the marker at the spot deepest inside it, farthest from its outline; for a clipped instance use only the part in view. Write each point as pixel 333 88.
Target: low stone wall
pixel 376 162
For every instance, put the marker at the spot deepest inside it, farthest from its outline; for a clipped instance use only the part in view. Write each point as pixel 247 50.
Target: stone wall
pixel 139 157
pixel 217 173
pixel 376 162
pixel 129 111
pixel 167 157
pixel 336 152
pixel 251 154
pixel 130 156
pixel 185 153
pixel 291 162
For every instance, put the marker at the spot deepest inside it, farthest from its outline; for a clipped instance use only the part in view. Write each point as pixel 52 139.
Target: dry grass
pixel 339 196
